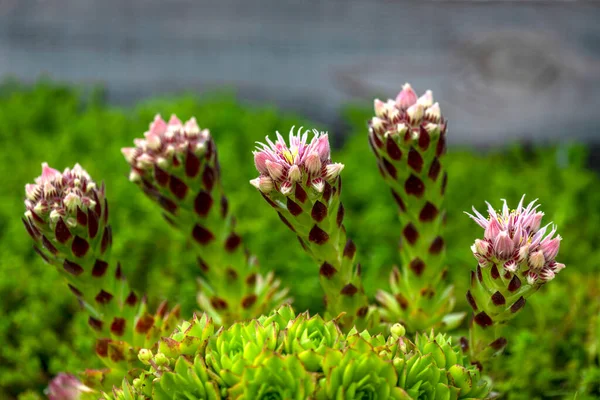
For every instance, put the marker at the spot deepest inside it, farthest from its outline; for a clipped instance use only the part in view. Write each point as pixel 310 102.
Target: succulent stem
pixel 302 184
pixel 408 137
pixel 176 165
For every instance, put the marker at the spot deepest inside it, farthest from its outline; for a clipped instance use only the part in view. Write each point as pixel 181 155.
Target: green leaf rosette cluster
pixel 289 356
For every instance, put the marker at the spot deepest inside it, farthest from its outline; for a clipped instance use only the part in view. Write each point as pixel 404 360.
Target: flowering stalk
pixel 408 137
pixel 302 184
pixel 176 165
pixel 515 258
pixel 67 217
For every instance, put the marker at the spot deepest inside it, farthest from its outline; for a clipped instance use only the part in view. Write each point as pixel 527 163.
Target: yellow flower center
pixel 290 155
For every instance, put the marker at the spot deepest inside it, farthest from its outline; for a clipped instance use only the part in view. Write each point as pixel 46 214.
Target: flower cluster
pixel 66 215
pixel 408 120
pixel 408 137
pixel 176 165
pixel 515 241
pixel 284 355
pixel 164 145
pixel 515 258
pixel 281 166
pixel 302 184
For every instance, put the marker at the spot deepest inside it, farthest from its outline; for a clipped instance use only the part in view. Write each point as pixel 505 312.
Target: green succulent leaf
pixel 274 377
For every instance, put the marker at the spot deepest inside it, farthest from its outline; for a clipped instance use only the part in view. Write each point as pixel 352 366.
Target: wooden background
pixel 501 70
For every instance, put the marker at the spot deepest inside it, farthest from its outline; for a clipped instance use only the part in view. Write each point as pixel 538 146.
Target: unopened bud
pixel 481 247
pixel 426 100
pixel 547 274
pixel 72 201
pixel 313 163
pixel 550 248
pixel 397 331
pixel 294 174
pixel 415 113
pixel 377 124
pixel 333 171
pixel 407 96
pixel 536 260
pixel 503 246
pixel 275 170
pixel 558 267
pixel 401 128
pixel 145 355
pixel 433 113
pixel 379 108
pixel 134 176
pixel 153 142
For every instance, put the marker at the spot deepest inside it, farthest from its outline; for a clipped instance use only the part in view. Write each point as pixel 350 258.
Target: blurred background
pixel 503 70
pixel 519 82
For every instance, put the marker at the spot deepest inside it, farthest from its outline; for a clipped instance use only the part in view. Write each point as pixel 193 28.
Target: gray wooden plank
pixel 501 70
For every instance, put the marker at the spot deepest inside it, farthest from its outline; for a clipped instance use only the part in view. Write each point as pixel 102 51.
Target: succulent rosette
pixel 176 165
pixel 303 185
pixel 274 377
pixel 408 138
pixel 182 378
pixel 514 259
pixel 232 350
pixel 358 372
pixel 437 369
pixel 309 338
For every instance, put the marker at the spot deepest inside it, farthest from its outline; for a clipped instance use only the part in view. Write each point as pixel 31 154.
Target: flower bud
pixel 550 248
pixel 481 247
pixel 145 355
pixel 379 108
pixel 433 113
pixel 313 163
pixel 503 246
pixel 536 260
pixel 294 173
pixel 333 171
pixel 415 113
pixel 397 331
pixel 275 170
pixel 547 274
pixel 407 96
pixel 426 100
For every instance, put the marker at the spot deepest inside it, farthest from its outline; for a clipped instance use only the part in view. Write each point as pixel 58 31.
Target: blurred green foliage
pixel 554 345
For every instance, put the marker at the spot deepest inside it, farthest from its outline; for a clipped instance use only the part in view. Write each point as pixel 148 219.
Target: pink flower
pixel 517 243
pixel 301 161
pixel 407 96
pixel 166 144
pixel 61 194
pixel 66 387
pixel 411 122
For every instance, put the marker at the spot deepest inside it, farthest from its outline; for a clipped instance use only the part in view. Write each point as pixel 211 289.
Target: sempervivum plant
pixel 245 344
pixel 436 369
pixel 67 217
pixel 304 186
pixel 253 360
pixel 515 258
pixel 176 165
pixel 408 137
